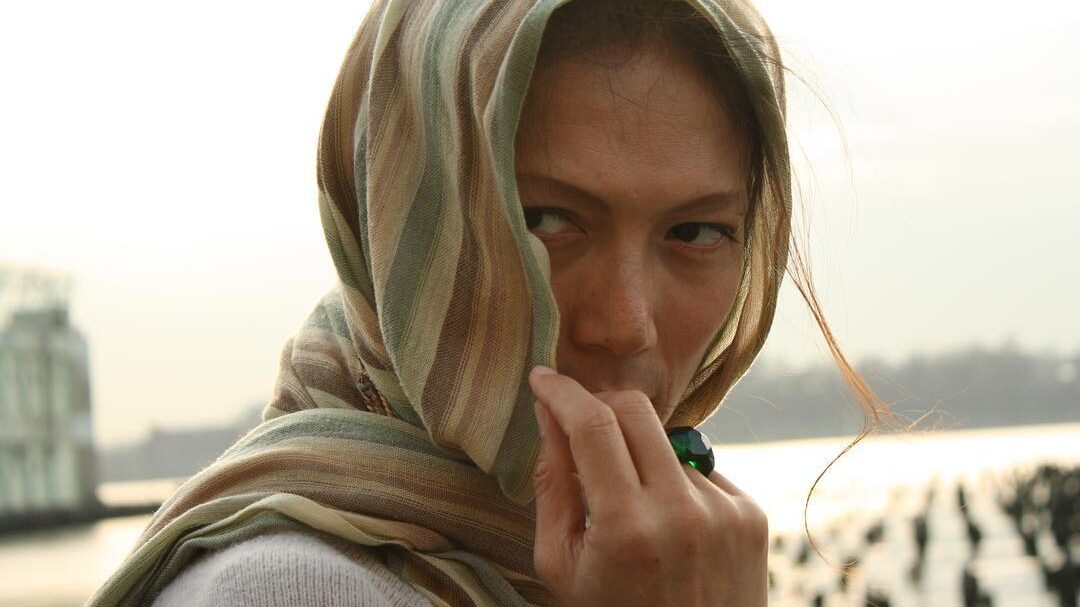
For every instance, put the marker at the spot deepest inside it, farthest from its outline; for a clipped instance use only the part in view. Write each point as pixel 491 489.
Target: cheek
pixel 687 320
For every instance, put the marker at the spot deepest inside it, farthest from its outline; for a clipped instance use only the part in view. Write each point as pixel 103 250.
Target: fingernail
pixel 542 370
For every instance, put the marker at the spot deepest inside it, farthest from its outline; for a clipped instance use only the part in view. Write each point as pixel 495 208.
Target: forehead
pixel 652 121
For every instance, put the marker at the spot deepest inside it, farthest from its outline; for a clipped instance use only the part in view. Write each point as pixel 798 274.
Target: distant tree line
pixel 972 388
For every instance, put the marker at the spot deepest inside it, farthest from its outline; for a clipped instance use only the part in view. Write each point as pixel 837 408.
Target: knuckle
pixel 690 519
pixel 754 521
pixel 681 499
pixel 631 401
pixel 694 517
pixel 544 476
pixel 599 420
pixel 741 518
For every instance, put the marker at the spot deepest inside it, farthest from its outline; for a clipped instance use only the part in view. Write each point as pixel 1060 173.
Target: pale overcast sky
pixel 164 155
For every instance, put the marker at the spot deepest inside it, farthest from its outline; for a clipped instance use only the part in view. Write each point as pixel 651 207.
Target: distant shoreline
pixel 11 524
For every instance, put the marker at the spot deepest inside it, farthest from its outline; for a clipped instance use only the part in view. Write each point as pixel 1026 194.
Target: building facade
pixel 47 461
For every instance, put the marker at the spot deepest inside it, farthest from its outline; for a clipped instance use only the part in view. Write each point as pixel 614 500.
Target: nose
pixel 614 309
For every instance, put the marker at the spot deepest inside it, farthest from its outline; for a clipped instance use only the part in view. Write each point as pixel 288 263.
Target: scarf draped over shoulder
pixel 402 419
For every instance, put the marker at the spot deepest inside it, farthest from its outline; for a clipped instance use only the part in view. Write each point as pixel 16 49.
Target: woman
pixel 509 187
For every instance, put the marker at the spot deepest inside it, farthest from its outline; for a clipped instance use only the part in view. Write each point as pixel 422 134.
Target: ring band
pixel 692 447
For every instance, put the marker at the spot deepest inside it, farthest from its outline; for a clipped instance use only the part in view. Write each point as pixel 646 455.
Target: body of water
pixel 883 478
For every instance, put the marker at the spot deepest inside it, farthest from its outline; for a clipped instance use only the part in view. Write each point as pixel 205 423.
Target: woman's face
pixel 634 177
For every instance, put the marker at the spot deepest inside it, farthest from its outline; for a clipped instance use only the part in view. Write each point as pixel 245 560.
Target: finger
pixel 655 460
pixel 713 481
pixel 724 483
pixel 596 442
pixel 559 510
pixel 697 479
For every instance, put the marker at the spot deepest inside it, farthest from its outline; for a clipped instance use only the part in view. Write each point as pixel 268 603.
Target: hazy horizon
pixel 164 157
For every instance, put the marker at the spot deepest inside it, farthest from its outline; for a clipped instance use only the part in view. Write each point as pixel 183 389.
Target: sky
pixel 162 156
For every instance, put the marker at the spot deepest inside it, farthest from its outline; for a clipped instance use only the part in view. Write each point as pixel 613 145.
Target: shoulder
pixel 288 569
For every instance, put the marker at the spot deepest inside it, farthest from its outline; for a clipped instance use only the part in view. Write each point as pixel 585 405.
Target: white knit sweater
pixel 287 569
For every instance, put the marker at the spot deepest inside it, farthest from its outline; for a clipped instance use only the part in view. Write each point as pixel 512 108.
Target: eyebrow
pixel 714 200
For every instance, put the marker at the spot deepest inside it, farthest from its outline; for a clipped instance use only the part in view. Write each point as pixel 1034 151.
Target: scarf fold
pixel 402 418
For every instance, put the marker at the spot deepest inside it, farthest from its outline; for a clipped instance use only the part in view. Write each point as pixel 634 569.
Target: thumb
pixel 560 512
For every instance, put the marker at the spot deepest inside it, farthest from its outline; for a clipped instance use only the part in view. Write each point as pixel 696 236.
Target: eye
pixel 544 221
pixel 703 235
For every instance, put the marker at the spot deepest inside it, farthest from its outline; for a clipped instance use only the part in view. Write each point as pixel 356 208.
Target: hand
pixel 660 533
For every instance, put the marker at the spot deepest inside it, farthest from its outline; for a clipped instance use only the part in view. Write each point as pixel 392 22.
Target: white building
pixel 46 443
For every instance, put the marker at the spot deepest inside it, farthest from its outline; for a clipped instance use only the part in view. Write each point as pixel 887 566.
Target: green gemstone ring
pixel 692 447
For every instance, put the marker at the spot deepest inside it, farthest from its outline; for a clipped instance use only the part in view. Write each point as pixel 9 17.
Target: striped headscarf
pixel 402 418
